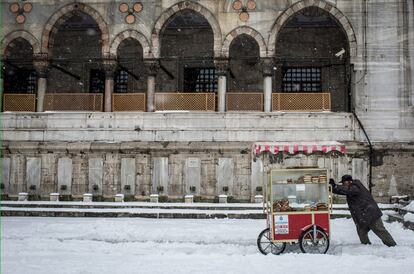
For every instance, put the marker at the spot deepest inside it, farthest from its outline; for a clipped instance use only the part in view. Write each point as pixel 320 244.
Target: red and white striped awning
pixel 296 147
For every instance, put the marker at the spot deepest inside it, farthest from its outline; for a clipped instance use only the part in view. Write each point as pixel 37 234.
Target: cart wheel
pixel 266 246
pixel 319 245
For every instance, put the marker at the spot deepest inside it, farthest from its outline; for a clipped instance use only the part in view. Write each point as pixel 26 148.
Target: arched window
pixel 312 54
pixel 187 51
pixel 130 75
pixel 75 56
pixel 18 72
pixel 245 71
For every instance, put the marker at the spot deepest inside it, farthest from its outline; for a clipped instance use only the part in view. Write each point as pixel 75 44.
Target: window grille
pixel 31 82
pixel 20 80
pixel 200 80
pixel 96 81
pixel 304 79
pixel 121 81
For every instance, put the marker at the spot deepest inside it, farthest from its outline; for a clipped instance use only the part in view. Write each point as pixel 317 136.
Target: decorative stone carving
pixel 137 7
pixel 20 11
pixel 243 9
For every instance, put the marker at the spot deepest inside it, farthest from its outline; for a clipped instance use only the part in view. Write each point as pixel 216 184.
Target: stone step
pixel 108 205
pixel 143 205
pixel 151 210
pixel 400 218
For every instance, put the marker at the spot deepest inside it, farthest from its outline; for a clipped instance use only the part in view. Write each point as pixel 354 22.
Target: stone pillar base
pixel 189 199
pixel 87 198
pixel 119 198
pixel 223 199
pixel 258 199
pixel 23 196
pixel 54 197
pixel 154 198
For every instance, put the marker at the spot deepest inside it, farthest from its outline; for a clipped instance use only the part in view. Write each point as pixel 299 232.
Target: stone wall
pixel 394 174
pixel 178 151
pixel 212 168
pixel 95 145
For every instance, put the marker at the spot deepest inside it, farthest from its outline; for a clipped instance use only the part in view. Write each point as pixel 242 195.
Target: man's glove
pixel 332 182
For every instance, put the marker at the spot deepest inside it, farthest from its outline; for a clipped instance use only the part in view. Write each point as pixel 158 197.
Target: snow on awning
pixel 295 147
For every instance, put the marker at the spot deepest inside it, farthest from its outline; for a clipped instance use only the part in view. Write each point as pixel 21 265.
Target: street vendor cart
pixel 297 203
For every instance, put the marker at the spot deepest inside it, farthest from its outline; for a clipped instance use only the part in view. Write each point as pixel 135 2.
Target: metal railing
pixel 19 102
pixel 73 101
pixel 244 101
pixel 128 102
pixel 301 101
pixel 235 101
pixel 185 101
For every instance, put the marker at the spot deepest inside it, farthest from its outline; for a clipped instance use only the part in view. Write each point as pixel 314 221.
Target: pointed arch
pixel 20 34
pixel 64 13
pixel 341 19
pixel 185 5
pixel 248 31
pixel 131 34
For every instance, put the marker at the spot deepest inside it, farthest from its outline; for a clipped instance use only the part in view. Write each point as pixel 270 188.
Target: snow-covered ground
pixel 121 245
pixel 410 206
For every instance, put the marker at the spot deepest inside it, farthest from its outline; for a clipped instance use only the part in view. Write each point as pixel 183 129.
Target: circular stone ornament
pixel 237 5
pixel 130 19
pixel 14 8
pixel 20 19
pixel 244 16
pixel 251 5
pixel 123 7
pixel 27 7
pixel 138 7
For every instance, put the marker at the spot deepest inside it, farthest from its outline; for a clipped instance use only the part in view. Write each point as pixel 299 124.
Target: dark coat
pixel 364 210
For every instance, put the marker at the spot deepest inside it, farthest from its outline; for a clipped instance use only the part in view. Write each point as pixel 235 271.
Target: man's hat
pixel 346 178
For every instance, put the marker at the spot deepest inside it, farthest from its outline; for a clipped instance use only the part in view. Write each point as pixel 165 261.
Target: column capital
pixel 41 64
pixel 152 66
pixel 222 66
pixel 268 66
pixel 110 65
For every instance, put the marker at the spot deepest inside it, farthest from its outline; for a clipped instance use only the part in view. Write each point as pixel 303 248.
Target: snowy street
pixel 121 245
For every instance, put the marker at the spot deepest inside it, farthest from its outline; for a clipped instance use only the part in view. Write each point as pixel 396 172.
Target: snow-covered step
pixel 144 213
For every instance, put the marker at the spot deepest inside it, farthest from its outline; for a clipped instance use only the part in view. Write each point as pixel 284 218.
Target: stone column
pixel 222 66
pixel 41 64
pixel 267 69
pixel 152 66
pixel 109 65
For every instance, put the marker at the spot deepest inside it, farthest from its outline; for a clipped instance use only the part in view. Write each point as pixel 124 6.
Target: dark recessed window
pixel 301 79
pixel 20 81
pixel 96 81
pixel 200 80
pixel 121 81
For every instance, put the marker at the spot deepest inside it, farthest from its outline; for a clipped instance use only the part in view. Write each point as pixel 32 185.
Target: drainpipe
pixel 365 57
pixel 371 152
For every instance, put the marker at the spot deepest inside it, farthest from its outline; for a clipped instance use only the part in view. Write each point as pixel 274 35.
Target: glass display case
pixel 297 190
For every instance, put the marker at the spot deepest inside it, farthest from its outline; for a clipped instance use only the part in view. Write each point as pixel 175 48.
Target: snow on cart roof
pixel 295 147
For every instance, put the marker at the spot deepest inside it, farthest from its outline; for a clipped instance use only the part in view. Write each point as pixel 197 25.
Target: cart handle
pixel 330 199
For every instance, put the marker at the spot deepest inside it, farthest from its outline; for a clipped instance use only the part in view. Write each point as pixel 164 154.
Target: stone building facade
pixel 168 97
